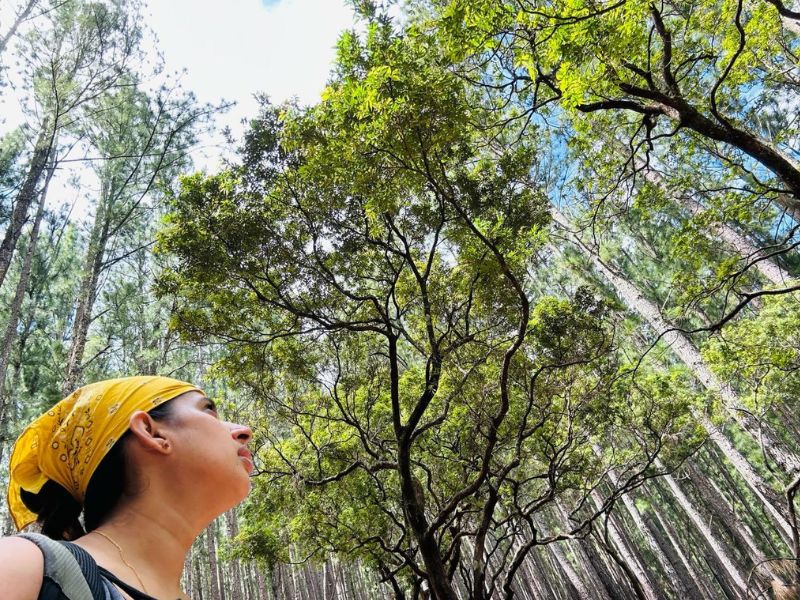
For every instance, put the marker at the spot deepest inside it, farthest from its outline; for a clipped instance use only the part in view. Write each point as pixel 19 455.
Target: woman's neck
pixel 145 546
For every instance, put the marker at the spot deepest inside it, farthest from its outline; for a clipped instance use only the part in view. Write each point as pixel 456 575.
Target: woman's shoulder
pixel 21 569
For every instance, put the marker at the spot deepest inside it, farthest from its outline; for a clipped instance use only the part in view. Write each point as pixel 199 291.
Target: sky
pixel 229 51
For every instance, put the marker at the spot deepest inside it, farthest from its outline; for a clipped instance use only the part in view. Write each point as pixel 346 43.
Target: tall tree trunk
pixel 605 571
pixel 676 108
pixel 14 313
pixel 683 588
pixel 19 19
pixel 187 573
pixel 572 577
pixel 715 464
pixel 737 242
pixel 769 269
pixel 719 552
pixel 675 548
pixel 626 555
pixel 211 546
pixel 547 587
pixel 479 549
pixel 786 459
pixel 599 590
pixel 739 532
pixel 261 585
pixel 87 294
pixel 763 491
pixel 27 193
pixel 236 571
pixel 197 592
pixel 789 14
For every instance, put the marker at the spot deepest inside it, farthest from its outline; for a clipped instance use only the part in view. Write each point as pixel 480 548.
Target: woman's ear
pixel 147 431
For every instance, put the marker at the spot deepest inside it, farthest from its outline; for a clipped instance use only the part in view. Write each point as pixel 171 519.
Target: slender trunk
pixel 93 263
pixel 722 510
pixel 688 353
pixel 197 592
pixel 211 545
pixel 715 464
pixel 683 588
pixel 278 587
pixel 14 313
pixel 790 21
pixel 592 575
pixel 768 268
pixel 27 193
pixel 788 419
pixel 625 554
pixel 737 242
pixel 187 573
pixel 719 552
pixel 763 491
pixel 413 496
pixel 674 548
pixel 19 19
pixel 572 577
pixel 294 588
pixel 681 111
pixel 599 591
pixel 479 550
pixel 791 25
pixel 605 571
pixel 236 571
pixel 739 532
pixel 556 577
pixel 545 584
pixel 261 585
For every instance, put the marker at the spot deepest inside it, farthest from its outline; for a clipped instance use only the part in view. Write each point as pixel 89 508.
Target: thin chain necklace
pixel 122 556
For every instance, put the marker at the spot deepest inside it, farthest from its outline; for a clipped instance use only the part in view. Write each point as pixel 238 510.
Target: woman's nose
pixel 241 433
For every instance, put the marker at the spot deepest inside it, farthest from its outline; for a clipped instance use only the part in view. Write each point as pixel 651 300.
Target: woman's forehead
pixel 191 397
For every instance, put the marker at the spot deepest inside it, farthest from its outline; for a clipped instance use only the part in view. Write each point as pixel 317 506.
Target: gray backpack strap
pixel 60 566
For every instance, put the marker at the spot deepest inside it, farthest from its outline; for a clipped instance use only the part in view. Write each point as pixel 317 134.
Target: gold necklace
pixel 122 556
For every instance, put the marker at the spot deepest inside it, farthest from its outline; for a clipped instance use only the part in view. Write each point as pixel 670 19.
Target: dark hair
pixel 57 512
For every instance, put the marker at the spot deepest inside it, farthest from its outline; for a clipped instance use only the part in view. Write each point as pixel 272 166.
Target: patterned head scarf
pixel 68 442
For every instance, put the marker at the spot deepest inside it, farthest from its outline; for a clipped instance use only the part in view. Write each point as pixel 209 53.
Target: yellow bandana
pixel 68 442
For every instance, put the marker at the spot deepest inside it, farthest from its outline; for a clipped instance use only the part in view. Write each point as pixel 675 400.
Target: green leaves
pixel 377 269
pixel 761 354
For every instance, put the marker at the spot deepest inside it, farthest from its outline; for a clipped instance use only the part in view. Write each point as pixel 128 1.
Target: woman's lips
pixel 248 457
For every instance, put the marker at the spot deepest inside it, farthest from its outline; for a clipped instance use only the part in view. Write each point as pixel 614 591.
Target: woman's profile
pixel 146 462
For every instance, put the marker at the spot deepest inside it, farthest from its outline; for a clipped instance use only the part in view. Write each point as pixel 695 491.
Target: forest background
pixel 512 309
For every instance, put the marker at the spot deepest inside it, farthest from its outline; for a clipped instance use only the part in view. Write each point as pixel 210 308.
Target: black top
pixel 99 580
pixel 131 591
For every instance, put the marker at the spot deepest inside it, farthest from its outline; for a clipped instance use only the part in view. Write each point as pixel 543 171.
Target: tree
pixel 10 333
pixel 82 52
pixel 694 92
pixel 376 300
pixel 22 14
pixel 141 142
pixel 676 67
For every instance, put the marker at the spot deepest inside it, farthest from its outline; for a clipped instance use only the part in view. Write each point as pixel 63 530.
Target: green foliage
pixel 11 147
pixel 761 355
pixel 414 342
pixel 381 222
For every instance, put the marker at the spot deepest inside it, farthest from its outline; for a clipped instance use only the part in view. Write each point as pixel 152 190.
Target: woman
pixel 148 463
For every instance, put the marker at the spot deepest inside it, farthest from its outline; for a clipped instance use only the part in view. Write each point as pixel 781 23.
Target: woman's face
pixel 210 453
